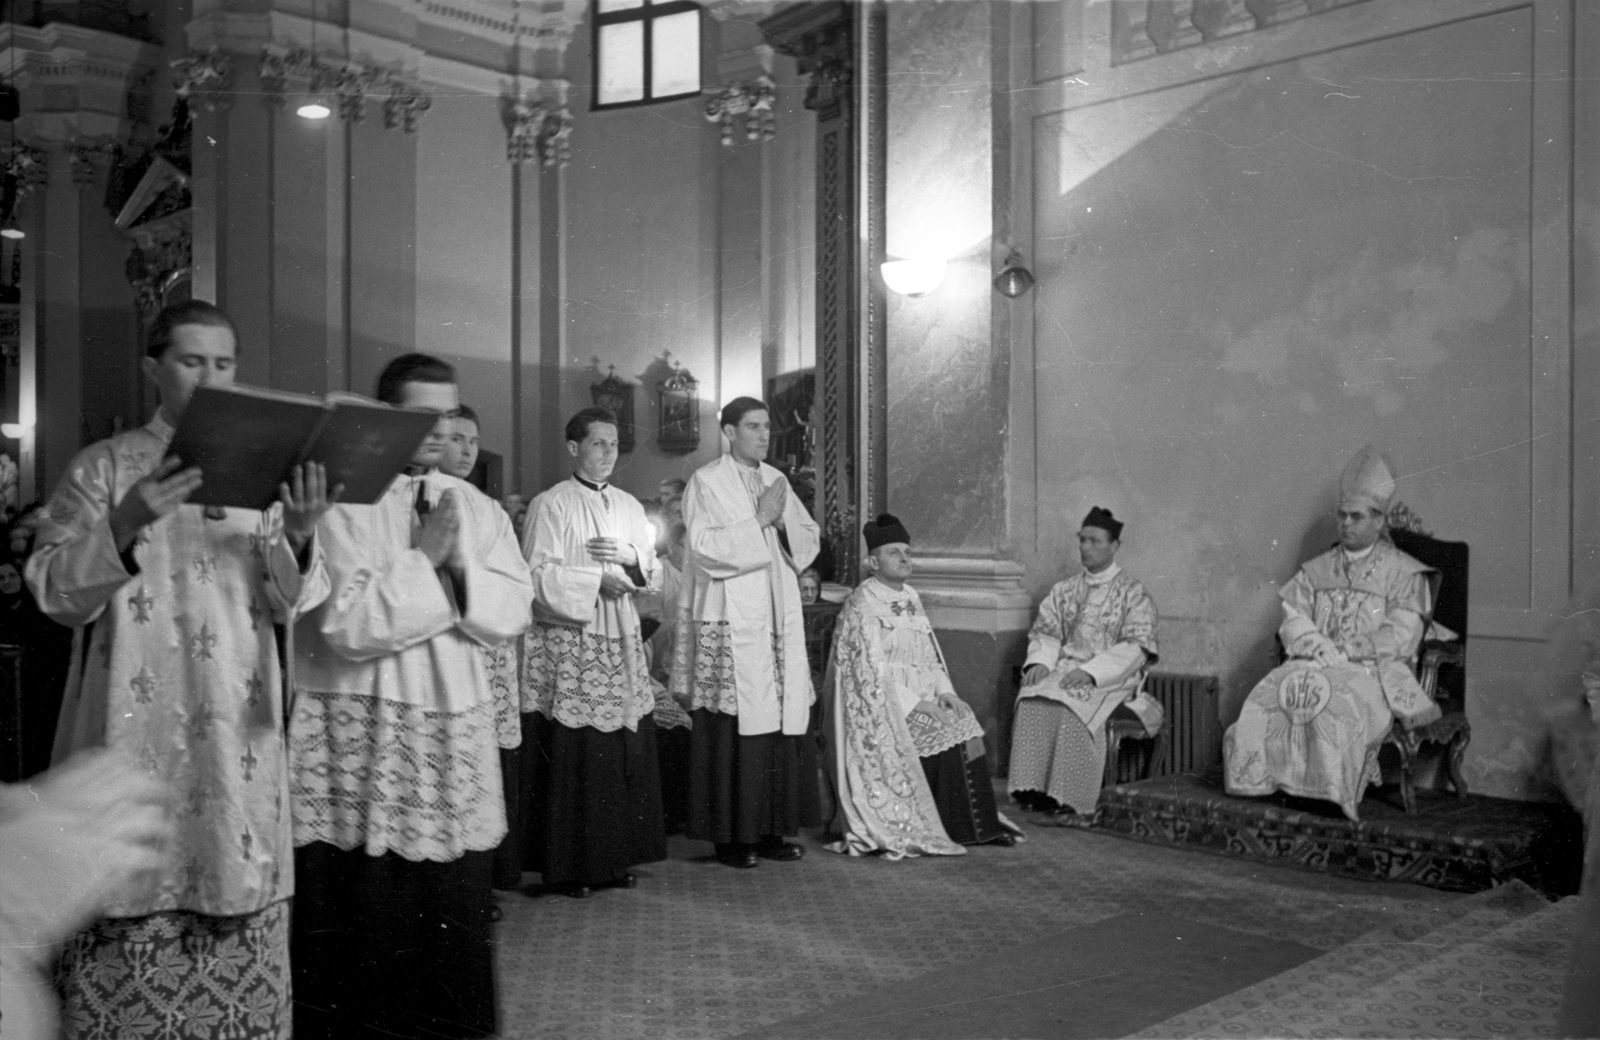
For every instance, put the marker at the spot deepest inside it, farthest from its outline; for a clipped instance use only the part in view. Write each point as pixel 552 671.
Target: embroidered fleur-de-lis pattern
pixel 183 666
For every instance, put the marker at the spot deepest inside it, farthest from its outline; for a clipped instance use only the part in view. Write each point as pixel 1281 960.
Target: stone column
pixel 948 353
pixel 79 338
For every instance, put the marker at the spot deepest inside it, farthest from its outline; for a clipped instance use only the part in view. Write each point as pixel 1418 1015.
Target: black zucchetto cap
pixel 1103 519
pixel 886 530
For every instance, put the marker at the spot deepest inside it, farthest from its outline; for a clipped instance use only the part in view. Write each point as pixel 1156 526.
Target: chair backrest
pixel 1450 559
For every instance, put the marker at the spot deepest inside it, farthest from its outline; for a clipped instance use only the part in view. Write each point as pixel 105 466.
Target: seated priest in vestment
pixel 1087 654
pixel 1353 619
pixel 907 753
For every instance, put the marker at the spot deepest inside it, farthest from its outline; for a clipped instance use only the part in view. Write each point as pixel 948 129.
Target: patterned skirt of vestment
pixel 178 975
pixel 1053 752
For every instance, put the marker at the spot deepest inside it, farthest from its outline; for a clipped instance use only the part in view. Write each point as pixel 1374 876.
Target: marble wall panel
pixel 947 388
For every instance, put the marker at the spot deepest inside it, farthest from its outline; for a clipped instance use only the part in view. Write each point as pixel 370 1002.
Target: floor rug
pixel 1099 980
pixel 699 951
pixel 1464 844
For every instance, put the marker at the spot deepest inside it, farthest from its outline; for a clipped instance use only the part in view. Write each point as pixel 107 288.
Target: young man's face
pixel 596 453
pixel 749 438
pixel 198 355
pixel 441 398
pixel 462 453
pixel 1096 548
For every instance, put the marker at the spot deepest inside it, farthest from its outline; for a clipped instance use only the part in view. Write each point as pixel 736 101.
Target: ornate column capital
pixel 201 77
pixel 820 37
pixel 538 124
pixel 76 81
pixel 349 85
pixel 753 100
pixel 88 157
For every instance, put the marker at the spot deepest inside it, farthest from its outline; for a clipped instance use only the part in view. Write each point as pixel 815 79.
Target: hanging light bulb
pixel 12 232
pixel 314 108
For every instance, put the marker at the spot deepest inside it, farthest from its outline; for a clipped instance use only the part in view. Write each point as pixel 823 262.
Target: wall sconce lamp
pixel 15 430
pixel 1014 279
pixel 913 277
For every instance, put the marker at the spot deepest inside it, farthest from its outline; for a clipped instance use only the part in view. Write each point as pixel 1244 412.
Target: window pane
pixel 607 6
pixel 675 55
pixel 621 60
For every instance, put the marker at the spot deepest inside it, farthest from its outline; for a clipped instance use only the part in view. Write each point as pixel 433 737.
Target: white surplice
pixel 584 663
pixel 393 733
pixel 181 668
pixel 741 642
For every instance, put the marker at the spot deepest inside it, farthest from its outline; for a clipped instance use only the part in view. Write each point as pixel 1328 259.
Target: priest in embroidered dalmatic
pixel 740 652
pixel 907 753
pixel 175 661
pixel 397 792
pixel 595 807
pixel 1353 619
pixel 1088 649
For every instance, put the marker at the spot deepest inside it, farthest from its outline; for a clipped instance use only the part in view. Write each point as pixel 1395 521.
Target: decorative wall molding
pixel 1142 30
pixel 753 100
pixel 537 128
pixel 350 86
pixel 202 76
pixel 974 594
pixel 77 82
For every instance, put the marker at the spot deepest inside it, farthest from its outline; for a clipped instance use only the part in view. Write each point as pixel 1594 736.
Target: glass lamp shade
pixel 1014 279
pixel 314 108
pixel 12 232
pixel 913 277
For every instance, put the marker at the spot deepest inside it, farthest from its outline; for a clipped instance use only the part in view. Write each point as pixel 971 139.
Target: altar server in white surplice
pixel 595 794
pixel 176 666
pixel 740 654
pixel 397 792
pixel 1353 619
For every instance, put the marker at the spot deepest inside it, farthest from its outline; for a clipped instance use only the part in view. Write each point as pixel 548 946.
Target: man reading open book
pixel 176 603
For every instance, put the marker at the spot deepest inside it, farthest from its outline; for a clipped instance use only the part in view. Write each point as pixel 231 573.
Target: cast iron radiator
pixel 1193 735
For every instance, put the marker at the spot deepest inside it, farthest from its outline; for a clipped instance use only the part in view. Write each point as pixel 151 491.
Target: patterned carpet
pixel 701 951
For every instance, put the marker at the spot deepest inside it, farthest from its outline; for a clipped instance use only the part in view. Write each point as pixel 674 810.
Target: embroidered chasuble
pixel 886 665
pixel 1314 729
pixel 393 734
pixel 175 660
pixel 740 646
pixel 181 667
pixel 584 663
pixel 1105 625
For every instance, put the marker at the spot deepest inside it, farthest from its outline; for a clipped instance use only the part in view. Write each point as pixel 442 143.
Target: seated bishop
pixel 907 753
pixel 1353 619
pixel 1087 654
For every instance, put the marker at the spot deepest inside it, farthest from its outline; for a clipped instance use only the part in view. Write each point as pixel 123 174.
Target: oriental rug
pixel 1463 844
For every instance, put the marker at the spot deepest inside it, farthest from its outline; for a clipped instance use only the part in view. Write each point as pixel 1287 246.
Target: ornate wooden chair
pixel 1441 664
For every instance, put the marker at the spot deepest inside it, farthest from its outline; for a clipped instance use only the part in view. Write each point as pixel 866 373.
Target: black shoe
pixel 775 848
pixel 574 891
pixel 622 880
pixel 737 854
pixel 1006 838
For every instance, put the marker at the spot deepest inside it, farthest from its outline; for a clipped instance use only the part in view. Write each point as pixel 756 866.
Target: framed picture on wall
pixel 793 443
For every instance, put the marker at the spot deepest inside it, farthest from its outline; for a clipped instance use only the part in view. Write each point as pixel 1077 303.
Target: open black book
pixel 247 441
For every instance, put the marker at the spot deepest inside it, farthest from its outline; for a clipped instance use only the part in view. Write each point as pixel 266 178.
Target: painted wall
pixel 1245 276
